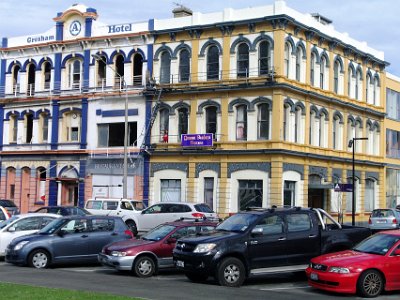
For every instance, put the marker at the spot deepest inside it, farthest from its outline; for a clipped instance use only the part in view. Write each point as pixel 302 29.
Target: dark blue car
pixel 68 239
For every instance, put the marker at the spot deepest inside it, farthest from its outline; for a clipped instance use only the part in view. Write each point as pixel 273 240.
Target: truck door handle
pixel 253 242
pixel 312 235
pixel 282 239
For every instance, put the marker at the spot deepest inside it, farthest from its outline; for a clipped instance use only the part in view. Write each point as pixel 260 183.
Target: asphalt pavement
pixel 167 285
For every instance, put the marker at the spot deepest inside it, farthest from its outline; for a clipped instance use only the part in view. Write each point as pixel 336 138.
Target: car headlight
pixel 20 245
pixel 118 253
pixel 204 248
pixel 339 270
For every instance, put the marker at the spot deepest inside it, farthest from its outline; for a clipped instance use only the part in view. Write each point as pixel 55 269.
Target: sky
pixel 373 21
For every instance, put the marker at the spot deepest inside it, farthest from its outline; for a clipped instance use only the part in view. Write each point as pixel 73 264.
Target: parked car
pixel 10 206
pixel 383 219
pixel 369 268
pixel 4 214
pixel 153 251
pixel 124 208
pixel 163 212
pixel 263 241
pixel 74 239
pixel 20 225
pixel 63 210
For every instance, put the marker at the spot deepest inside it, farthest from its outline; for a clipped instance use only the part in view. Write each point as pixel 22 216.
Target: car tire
pixel 144 267
pixel 370 284
pixel 230 272
pixel 39 259
pixel 196 277
pixel 132 226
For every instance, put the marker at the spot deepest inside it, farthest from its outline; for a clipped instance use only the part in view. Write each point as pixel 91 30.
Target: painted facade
pixel 63 106
pixel 283 93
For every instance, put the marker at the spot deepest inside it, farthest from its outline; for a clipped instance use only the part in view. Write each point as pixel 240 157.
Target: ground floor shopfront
pixel 230 183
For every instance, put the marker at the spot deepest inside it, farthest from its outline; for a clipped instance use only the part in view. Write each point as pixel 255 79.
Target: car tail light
pixel 128 232
pixel 197 215
pixel 394 221
pixel 369 220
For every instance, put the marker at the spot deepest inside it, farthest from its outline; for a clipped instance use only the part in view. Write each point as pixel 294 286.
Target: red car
pixel 369 268
pixel 153 251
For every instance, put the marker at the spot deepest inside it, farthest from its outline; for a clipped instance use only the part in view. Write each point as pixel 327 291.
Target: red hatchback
pixel 153 251
pixel 369 268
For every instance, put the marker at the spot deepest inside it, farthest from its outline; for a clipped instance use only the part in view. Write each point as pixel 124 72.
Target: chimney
pixel 182 11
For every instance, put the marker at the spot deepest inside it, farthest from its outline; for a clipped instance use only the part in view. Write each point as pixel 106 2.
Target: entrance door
pixel 316 198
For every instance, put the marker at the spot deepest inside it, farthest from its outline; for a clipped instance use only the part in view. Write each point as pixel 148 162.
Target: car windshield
pixel 9 221
pixel 158 233
pixel 52 226
pixel 203 208
pixel 377 244
pixel 238 222
pixel 382 213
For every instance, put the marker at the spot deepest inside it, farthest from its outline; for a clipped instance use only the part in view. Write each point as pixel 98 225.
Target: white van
pixel 124 208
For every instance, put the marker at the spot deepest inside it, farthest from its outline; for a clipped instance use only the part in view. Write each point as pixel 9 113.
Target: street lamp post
pixel 125 169
pixel 353 197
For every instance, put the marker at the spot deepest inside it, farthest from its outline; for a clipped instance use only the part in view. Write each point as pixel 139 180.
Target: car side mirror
pixel 257 232
pixel 11 229
pixel 171 240
pixel 396 252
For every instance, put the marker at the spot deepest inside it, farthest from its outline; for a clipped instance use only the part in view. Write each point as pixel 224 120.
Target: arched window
pixel 376 90
pixel 183 121
pixel 28 128
pixel 11 178
pixel 322 73
pixel 369 195
pixel 31 80
pixel 337 133
pixel 137 69
pixel 165 69
pixel 44 125
pixel 184 65
pixel 263 121
pixel 286 121
pixel 120 72
pixel 298 125
pixel 41 185
pixel 314 128
pixel 211 120
pixel 358 133
pixel 336 70
pixel 164 122
pixel 288 50
pixel 47 75
pixel 368 89
pixel 212 63
pixel 312 70
pixel 241 122
pixel 358 95
pixel 71 125
pixel 351 131
pixel 350 83
pixel 299 57
pixel 16 78
pixel 101 71
pixel 13 129
pixel 323 130
pixel 243 60
pixel 74 69
pixel 264 57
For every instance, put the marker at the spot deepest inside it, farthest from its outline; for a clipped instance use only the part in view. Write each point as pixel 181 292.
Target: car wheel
pixel 196 277
pixel 370 284
pixel 39 259
pixel 132 227
pixel 144 267
pixel 230 272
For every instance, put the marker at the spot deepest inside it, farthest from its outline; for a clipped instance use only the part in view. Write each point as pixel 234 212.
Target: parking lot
pixel 166 285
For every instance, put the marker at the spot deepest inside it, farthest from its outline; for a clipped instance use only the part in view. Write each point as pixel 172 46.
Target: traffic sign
pixel 343 187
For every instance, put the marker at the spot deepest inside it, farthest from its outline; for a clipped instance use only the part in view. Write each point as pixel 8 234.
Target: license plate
pixel 180 264
pixel 381 221
pixel 314 276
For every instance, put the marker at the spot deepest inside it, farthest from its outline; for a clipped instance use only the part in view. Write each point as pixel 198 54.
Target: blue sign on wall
pixel 343 187
pixel 197 140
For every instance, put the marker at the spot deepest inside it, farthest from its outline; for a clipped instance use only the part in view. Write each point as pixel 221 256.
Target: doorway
pixel 316 198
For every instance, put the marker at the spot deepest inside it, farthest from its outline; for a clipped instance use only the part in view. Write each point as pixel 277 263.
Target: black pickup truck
pixel 263 241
